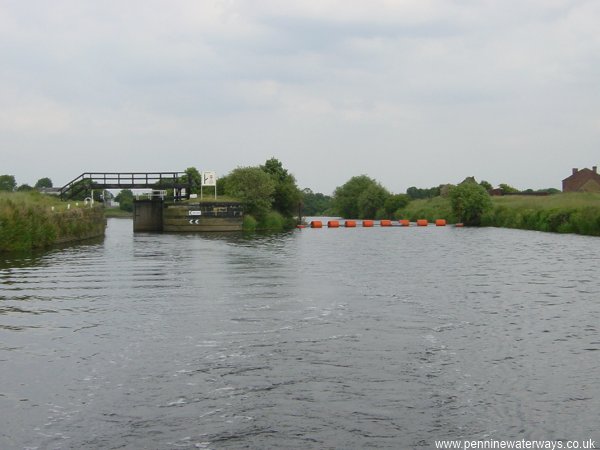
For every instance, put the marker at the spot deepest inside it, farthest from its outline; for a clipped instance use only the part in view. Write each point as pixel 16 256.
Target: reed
pixel 32 220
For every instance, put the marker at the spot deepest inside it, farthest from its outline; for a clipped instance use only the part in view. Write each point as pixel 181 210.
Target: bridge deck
pixel 124 180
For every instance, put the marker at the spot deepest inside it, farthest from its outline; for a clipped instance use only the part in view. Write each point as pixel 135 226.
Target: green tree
pixel 7 183
pixel 253 187
pixel 469 201
pixel 43 183
pixel 286 197
pixel 486 185
pixel 24 188
pixel 315 204
pixel 125 199
pixel 418 193
pixel 507 189
pixel 193 178
pixel 395 202
pixel 371 200
pixel 345 197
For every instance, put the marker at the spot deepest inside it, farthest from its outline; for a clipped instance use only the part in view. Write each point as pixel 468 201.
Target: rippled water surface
pixel 332 338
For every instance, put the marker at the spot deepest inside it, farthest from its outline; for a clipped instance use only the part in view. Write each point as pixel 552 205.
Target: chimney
pixel 595 169
pixel 575 170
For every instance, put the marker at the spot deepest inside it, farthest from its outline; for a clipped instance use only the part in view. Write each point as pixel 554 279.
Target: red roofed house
pixel 584 180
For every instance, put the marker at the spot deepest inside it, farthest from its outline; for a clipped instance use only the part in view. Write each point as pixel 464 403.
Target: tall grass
pixel 430 209
pixel 561 213
pixel 32 220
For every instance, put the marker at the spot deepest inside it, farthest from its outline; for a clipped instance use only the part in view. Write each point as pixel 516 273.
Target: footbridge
pixel 126 180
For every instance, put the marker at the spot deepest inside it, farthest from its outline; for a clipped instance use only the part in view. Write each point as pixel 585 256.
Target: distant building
pixel 584 180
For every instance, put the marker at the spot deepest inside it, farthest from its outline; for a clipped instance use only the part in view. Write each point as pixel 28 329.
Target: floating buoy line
pixel 382 223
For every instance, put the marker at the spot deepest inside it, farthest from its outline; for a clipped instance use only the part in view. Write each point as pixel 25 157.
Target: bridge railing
pixel 123 180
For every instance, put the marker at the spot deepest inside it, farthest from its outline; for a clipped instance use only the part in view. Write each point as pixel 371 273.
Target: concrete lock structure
pixel 156 215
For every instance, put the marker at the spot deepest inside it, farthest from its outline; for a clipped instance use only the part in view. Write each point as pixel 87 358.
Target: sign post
pixel 208 179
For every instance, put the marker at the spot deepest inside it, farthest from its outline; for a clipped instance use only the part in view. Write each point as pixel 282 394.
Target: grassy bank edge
pixel 31 221
pixel 577 213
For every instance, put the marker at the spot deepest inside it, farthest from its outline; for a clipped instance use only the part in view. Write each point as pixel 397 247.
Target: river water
pixel 313 339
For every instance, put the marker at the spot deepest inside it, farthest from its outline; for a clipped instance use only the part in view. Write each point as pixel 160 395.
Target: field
pixel 562 213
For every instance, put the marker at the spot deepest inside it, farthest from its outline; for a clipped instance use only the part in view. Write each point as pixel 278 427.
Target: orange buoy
pixel 422 223
pixel 385 223
pixel 316 224
pixel 350 223
pixel 367 223
pixel 440 223
pixel 333 224
pixel 404 222
pixel 459 225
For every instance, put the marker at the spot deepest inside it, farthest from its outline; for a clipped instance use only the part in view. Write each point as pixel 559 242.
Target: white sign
pixel 209 179
pixel 195 213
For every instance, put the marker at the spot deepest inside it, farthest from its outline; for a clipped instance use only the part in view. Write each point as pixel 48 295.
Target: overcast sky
pixel 409 92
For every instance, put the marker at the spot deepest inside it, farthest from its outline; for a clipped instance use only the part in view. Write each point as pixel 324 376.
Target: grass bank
pixel 32 220
pixel 430 209
pixel 561 213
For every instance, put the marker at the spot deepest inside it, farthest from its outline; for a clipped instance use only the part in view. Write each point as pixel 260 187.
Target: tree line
pixel 362 197
pixel 8 183
pixel 272 199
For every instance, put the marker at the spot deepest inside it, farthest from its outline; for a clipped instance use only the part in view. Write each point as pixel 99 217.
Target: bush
pixel 469 202
pixel 253 187
pixel 272 221
pixel 395 202
pixel 359 198
pixel 249 223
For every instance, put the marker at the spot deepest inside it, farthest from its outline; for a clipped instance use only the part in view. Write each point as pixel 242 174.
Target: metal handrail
pixel 141 179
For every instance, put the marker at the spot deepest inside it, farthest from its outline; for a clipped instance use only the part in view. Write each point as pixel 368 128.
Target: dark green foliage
pixel 272 221
pixel 372 200
pixel 469 201
pixel 7 183
pixel 486 185
pixel 548 191
pixel 249 223
pixel 24 188
pixel 286 197
pixel 193 178
pixel 360 197
pixel 125 199
pixel 315 204
pixel 268 193
pixel 43 183
pixel 253 187
pixel 507 189
pixel 418 193
pixel 395 202
pixel 221 183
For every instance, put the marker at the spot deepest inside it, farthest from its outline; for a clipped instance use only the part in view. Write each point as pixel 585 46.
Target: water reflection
pixel 347 338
